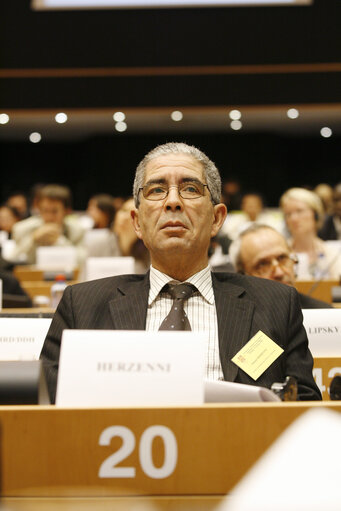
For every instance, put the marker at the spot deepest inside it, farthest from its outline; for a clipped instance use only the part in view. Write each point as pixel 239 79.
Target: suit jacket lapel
pixel 234 314
pixel 129 310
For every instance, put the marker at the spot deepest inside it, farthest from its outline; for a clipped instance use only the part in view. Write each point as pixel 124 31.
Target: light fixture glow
pixel 61 118
pixel 235 115
pixel 236 125
pixel 121 126
pixel 293 113
pixel 326 132
pixel 119 116
pixel 177 116
pixel 35 137
pixel 4 118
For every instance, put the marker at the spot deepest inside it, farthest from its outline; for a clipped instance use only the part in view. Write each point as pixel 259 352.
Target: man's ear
pixel 136 222
pixel 220 212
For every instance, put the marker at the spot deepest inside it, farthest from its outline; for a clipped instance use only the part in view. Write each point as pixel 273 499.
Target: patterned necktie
pixel 177 318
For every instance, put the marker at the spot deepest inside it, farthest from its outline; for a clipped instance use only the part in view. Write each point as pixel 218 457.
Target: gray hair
pixel 211 172
pixel 235 247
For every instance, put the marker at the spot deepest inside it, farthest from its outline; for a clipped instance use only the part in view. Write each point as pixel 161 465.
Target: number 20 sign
pixel 109 468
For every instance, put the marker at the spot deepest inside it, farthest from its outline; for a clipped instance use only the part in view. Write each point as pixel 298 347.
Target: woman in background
pixel 303 213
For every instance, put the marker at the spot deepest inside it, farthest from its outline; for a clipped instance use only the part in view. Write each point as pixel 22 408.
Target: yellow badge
pixel 257 355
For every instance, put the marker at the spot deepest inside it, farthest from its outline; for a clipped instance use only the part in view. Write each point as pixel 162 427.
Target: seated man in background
pixel 52 227
pixel 178 209
pixel 263 252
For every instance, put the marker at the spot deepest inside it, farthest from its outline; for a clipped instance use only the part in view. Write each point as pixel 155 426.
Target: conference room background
pixel 178 58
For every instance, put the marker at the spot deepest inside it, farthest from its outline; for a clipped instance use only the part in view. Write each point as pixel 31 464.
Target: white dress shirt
pixel 200 309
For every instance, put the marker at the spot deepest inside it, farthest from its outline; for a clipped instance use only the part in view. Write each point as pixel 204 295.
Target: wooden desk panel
pixel 32 273
pixel 203 503
pixel 46 451
pixel 322 291
pixel 38 288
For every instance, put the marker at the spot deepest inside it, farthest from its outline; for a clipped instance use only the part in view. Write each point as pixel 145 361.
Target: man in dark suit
pixel 177 211
pixel 263 252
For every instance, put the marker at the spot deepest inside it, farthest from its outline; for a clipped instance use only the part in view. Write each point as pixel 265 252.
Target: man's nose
pixel 173 200
pixel 277 270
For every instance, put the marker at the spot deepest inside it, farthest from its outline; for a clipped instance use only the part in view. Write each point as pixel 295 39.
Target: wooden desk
pixel 145 503
pixel 55 452
pixel 38 288
pixel 32 273
pixel 322 291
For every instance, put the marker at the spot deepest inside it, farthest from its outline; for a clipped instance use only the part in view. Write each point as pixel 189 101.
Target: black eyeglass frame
pixel 179 190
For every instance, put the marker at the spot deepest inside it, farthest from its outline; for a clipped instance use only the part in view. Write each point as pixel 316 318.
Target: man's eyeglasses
pixel 265 266
pixel 186 190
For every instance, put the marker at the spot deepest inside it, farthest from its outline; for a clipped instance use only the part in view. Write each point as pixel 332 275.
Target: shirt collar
pixel 201 280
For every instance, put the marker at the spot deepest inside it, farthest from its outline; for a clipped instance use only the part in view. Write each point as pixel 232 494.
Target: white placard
pixel 3 237
pixel 100 267
pixel 130 368
pixel 22 338
pixel 56 258
pixel 8 248
pixel 323 328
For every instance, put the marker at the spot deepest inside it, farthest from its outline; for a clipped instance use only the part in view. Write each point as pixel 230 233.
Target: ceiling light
pixel 61 118
pixel 235 115
pixel 119 116
pixel 236 125
pixel 293 113
pixel 326 132
pixel 35 137
pixel 177 115
pixel 121 126
pixel 4 118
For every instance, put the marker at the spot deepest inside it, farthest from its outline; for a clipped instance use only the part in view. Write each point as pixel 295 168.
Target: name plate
pixel 22 338
pixel 63 258
pixel 323 328
pixel 130 368
pixel 101 267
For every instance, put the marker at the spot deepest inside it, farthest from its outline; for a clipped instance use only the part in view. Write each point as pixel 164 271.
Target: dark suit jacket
pixel 328 231
pixel 308 302
pixel 244 306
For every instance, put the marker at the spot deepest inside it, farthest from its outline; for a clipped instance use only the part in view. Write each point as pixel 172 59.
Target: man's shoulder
pixel 118 282
pixel 308 302
pixel 247 280
pixel 254 286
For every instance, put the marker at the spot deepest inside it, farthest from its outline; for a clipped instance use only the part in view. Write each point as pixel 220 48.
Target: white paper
pixel 22 338
pixel 100 267
pixel 130 368
pixel 299 472
pixel 230 392
pixel 56 258
pixel 323 328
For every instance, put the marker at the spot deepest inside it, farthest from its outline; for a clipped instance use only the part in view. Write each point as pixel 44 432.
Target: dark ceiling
pixel 147 63
pixel 169 57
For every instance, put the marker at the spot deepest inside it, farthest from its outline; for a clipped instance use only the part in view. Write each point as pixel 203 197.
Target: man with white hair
pixel 261 251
